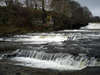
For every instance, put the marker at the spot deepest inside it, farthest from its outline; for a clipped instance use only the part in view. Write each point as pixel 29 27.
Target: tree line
pixel 34 14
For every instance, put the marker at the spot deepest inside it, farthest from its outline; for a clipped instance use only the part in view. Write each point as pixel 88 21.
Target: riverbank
pixel 9 31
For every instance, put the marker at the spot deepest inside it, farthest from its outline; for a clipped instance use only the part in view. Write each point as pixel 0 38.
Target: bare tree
pixel 35 4
pixel 27 3
pixel 61 6
pixel 44 12
pixel 7 2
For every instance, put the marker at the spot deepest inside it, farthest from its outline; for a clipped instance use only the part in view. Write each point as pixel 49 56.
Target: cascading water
pixel 63 50
pixel 92 26
pixel 60 61
pixel 50 37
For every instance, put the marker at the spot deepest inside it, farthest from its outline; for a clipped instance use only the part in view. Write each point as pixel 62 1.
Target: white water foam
pixel 57 38
pixel 44 64
pixel 41 39
pixel 58 61
pixel 92 26
pixel 48 38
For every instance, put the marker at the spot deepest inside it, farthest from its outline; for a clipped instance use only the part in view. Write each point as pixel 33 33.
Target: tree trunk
pixel 27 3
pixel 9 2
pixel 16 2
pixel 35 4
pixel 44 15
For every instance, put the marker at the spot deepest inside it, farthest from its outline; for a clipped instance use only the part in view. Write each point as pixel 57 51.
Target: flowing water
pixel 64 50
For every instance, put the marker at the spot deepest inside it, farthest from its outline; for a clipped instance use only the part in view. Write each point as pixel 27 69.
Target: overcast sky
pixel 93 5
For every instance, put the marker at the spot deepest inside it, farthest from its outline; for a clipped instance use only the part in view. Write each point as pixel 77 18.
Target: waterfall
pixel 43 38
pixel 92 26
pixel 59 50
pixel 63 60
pixel 47 38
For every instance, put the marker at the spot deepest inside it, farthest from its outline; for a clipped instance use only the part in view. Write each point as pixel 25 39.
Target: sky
pixel 93 5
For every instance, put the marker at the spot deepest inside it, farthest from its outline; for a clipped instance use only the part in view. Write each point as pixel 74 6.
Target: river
pixel 72 52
